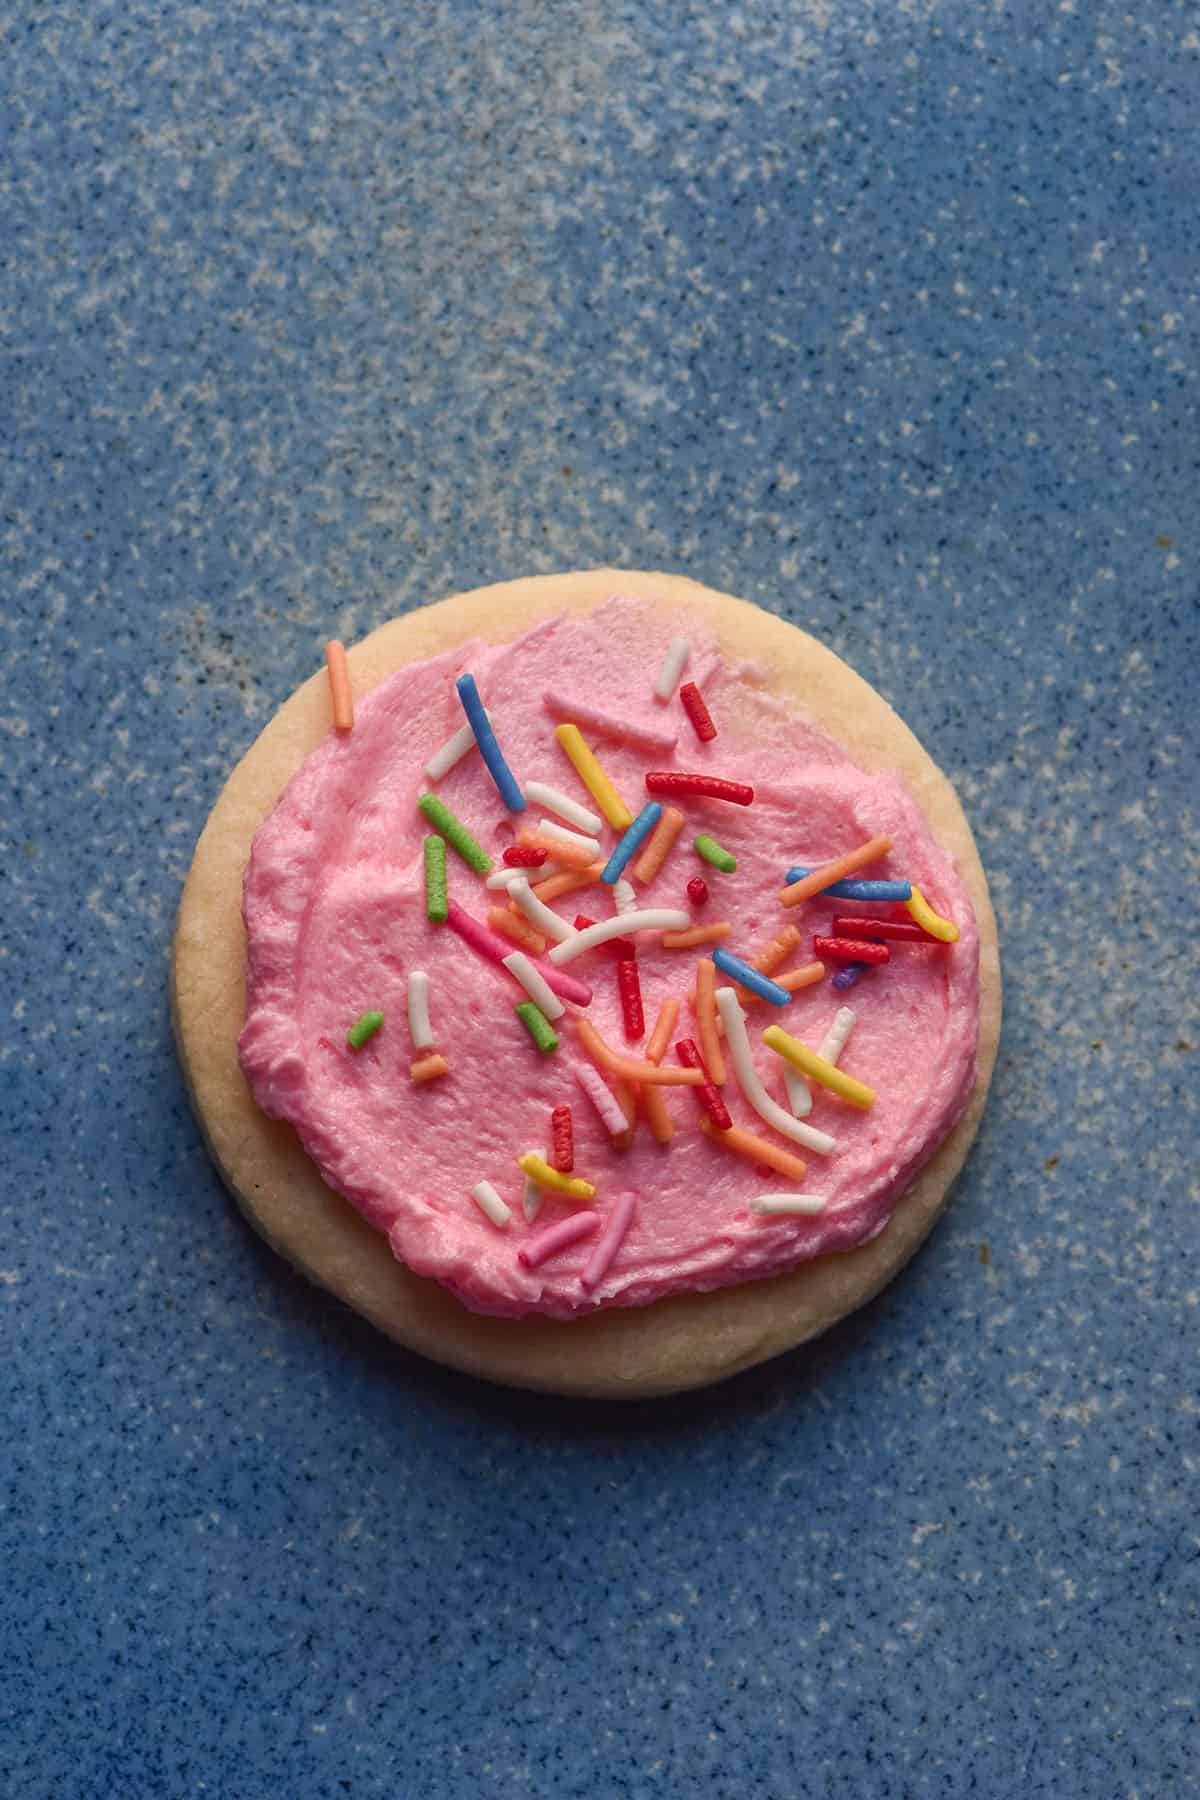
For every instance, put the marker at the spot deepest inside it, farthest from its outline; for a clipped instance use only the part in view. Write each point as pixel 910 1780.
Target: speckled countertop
pixel 883 317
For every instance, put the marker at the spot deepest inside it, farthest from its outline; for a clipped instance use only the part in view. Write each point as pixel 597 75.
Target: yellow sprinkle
pixel 930 921
pixel 540 1171
pixel 810 1064
pixel 593 777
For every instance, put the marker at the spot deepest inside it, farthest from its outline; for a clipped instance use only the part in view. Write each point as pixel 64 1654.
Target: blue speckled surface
pixel 886 318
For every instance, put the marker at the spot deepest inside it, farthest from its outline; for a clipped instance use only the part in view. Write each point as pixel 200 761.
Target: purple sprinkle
pixel 849 974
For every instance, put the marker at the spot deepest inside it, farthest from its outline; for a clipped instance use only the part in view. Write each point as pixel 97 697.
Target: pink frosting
pixel 334 909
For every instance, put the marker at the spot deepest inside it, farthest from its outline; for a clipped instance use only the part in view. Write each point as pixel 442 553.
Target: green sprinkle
pixel 363 1028
pixel 711 851
pixel 538 1026
pixel 435 879
pixel 455 833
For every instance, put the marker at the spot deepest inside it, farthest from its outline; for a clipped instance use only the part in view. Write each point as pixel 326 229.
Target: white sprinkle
pixel 548 828
pixel 602 1098
pixel 488 1201
pixel 555 801
pixel 662 918
pixel 798 1091
pixel 674 663
pixel 451 752
pixel 504 878
pixel 419 1028
pixel 539 914
pixel 738 1045
pixel 773 1205
pixel 624 897
pixel 832 1045
pixel 535 984
pixel 532 1197
pixel 624 731
pixel 834 1041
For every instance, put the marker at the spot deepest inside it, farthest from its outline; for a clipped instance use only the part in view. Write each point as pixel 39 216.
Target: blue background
pixel 885 318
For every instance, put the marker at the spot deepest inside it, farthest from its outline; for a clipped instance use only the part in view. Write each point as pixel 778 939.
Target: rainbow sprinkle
pixel 603 1099
pixel 928 920
pixel 538 1026
pixel 489 746
pixel 712 852
pixel 750 977
pixel 855 890
pixel 535 985
pixel 419 1028
pixel 856 1093
pixel 455 833
pixel 583 760
pixel 673 665
pixel 776 1206
pixel 820 880
pixel 622 731
pixel 535 1250
pixel 435 879
pixel 363 1028
pixel 611 1238
pixel 641 828
pixel 572 1187
pixel 659 848
pixel 555 801
pixel 489 1202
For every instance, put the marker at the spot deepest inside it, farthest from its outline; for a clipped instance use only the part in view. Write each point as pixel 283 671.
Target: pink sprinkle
pixel 623 731
pixel 558 1237
pixel 611 1239
pixel 495 949
pixel 603 1099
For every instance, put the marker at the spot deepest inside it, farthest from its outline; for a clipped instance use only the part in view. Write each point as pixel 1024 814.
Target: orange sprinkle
pixel 664 1025
pixel 339 685
pixel 658 1115
pixel 605 1057
pixel 428 1068
pixel 696 935
pixel 706 1020
pixel 793 981
pixel 836 870
pixel 756 1149
pixel 777 951
pixel 572 855
pixel 555 886
pixel 654 1101
pixel 516 926
pixel 659 844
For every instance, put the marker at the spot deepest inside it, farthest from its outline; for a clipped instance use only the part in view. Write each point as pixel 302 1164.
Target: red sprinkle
pixel 907 932
pixel 708 1096
pixel 623 948
pixel 697 890
pixel 631 1000
pixel 848 950
pixel 678 781
pixel 563 1155
pixel 524 856
pixel 697 712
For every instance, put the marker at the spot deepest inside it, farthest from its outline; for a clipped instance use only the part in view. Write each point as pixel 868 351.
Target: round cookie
pixel 676 1343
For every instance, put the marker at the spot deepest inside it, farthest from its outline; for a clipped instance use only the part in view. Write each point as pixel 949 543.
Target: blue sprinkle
pixel 489 749
pixel 857 890
pixel 641 828
pixel 750 977
pixel 849 974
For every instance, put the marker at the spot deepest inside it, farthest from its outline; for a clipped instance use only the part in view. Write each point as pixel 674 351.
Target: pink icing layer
pixel 335 918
